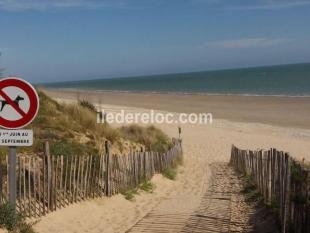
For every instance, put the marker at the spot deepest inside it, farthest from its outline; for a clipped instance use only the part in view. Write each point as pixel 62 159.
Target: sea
pixel 280 80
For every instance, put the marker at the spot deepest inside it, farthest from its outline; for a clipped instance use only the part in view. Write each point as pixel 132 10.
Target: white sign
pixel 19 137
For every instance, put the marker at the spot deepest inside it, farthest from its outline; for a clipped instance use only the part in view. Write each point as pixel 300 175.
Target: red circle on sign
pixel 27 117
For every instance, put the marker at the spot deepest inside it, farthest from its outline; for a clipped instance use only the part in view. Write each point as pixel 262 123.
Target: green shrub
pixel 8 217
pixel 130 194
pixel 250 190
pixel 13 221
pixel 147 186
pixel 170 173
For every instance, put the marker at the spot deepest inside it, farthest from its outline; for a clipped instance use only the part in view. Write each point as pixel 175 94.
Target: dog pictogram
pixel 16 101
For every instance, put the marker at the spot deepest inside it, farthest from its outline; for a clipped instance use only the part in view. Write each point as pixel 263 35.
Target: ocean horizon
pixel 279 80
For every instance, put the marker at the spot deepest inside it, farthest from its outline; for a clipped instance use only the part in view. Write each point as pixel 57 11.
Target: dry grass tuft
pixel 153 138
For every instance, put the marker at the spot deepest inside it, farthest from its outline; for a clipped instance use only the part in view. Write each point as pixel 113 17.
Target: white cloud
pixel 254 4
pixel 245 43
pixel 22 5
pixel 270 5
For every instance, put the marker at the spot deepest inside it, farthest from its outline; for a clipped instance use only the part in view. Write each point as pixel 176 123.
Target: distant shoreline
pixel 171 92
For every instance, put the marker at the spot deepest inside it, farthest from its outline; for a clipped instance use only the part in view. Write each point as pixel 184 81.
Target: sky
pixel 62 40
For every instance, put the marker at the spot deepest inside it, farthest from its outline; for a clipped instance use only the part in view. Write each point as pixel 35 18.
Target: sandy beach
pixel 247 122
pixel 279 111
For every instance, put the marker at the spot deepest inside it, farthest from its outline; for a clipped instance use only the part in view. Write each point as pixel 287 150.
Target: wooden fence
pixel 48 182
pixel 283 182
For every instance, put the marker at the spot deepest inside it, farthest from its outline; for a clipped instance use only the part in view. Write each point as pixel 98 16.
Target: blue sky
pixel 53 40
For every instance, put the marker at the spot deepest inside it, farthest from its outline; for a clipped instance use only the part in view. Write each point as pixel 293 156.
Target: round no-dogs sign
pixel 19 103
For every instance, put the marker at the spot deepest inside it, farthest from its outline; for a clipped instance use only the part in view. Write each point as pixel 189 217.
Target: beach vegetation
pixel 250 190
pixel 8 216
pixel 273 206
pixel 296 172
pixel 170 173
pixel 13 221
pixel 69 128
pixel 147 186
pixel 129 194
pixel 153 138
pixel 88 105
pixel 72 129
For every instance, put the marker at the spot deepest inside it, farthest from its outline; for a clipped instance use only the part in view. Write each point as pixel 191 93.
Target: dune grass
pixel 170 173
pixel 130 194
pixel 72 129
pixel 147 186
pixel 153 138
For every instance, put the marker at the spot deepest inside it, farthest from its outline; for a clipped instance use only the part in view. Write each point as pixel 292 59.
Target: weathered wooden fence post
pixel 47 160
pixel 12 175
pixel 1 182
pixel 107 175
pixel 180 131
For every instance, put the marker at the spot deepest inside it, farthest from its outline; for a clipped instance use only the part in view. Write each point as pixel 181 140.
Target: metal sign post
pixel 12 175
